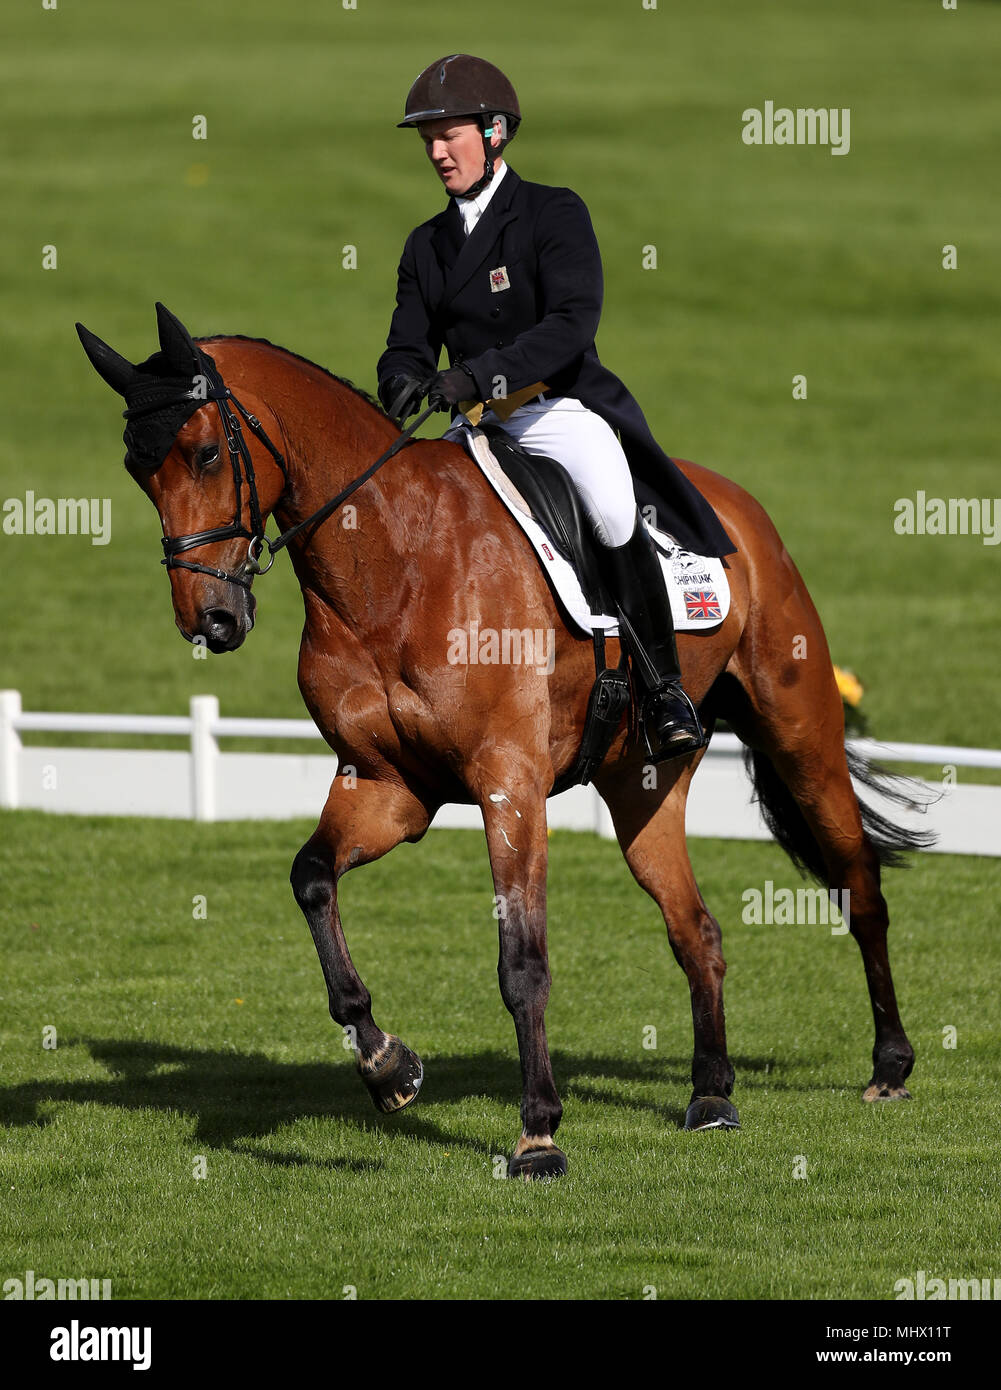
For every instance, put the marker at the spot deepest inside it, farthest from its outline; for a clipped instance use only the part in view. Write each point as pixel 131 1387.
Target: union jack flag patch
pixel 702 603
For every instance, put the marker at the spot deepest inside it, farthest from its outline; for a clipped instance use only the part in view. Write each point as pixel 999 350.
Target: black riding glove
pixel 401 395
pixel 449 388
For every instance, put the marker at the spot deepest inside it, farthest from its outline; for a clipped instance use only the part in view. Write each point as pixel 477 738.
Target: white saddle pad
pixel 697 584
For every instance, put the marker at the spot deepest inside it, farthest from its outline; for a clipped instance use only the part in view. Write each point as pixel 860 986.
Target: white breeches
pixel 588 449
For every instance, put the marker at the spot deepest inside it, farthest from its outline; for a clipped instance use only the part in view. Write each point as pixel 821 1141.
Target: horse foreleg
pixel 519 851
pixel 361 821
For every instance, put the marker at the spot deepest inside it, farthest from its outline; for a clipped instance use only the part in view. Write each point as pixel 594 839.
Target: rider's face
pixel 455 148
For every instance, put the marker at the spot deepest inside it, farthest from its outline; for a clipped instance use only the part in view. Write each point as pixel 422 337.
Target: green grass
pixel 771 263
pixel 179 1038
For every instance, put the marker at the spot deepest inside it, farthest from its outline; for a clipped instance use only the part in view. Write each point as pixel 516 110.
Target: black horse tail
pixel 788 825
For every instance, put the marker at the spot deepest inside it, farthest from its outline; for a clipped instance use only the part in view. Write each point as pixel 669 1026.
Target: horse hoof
pixel 711 1112
pixel 394 1080
pixel 877 1091
pixel 535 1165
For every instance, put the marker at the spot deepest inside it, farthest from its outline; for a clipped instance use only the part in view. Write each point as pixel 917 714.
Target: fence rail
pixel 204 784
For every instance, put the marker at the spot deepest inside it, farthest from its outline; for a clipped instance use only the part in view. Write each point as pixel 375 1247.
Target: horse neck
pixel 329 435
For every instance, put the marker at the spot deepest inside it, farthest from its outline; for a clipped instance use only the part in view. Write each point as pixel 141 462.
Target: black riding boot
pixel 670 723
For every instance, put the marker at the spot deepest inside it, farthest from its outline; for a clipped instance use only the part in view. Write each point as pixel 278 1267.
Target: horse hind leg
pixel 650 827
pixel 362 820
pixel 850 866
pixel 788 711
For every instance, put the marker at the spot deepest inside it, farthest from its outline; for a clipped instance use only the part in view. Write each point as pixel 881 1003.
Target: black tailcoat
pixel 538 324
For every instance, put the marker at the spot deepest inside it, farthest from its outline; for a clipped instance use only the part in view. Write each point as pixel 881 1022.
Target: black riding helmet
pixel 461 85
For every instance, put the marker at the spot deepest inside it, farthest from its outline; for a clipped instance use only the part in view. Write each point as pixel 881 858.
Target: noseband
pixel 242 464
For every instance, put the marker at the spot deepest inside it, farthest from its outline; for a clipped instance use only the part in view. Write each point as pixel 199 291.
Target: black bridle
pixel 243 465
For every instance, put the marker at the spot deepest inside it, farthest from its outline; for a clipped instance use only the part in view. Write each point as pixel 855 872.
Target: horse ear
pixel 176 342
pixel 116 370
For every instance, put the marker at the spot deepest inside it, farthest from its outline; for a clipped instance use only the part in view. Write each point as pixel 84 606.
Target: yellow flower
pixel 850 687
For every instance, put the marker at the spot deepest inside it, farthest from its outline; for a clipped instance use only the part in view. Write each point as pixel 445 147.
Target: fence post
pixel 204 756
pixel 10 748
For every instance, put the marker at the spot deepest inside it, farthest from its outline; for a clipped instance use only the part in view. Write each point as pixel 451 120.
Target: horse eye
pixel 208 453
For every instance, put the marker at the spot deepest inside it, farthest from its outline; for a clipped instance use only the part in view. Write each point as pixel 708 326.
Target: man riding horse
pixel 519 298
pixel 508 278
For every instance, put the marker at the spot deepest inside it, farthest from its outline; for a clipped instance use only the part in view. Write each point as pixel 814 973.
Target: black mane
pixel 265 342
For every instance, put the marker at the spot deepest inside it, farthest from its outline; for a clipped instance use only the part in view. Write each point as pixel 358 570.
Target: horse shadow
pixel 237 1098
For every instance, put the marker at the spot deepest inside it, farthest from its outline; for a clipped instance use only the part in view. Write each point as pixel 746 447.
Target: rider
pixel 509 279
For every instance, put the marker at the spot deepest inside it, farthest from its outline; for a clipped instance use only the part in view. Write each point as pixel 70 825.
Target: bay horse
pixel 432 549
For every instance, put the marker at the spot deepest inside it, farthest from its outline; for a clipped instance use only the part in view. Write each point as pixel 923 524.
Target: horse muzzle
pixel 223 628
pixel 223 631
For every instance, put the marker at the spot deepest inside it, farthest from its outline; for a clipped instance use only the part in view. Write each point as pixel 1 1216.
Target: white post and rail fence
pixel 202 783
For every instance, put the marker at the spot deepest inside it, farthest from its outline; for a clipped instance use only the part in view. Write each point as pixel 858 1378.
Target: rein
pixel 242 464
pixel 323 512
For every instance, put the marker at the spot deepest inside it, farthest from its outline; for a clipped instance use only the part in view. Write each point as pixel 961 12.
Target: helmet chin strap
pixel 498 124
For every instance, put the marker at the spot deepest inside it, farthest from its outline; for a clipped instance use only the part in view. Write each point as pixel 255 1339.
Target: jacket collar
pixel 460 255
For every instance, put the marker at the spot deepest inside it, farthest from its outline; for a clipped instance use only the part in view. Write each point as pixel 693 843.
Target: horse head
pixel 212 486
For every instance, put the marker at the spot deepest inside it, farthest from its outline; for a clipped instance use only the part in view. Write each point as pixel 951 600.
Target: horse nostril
pixel 219 625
